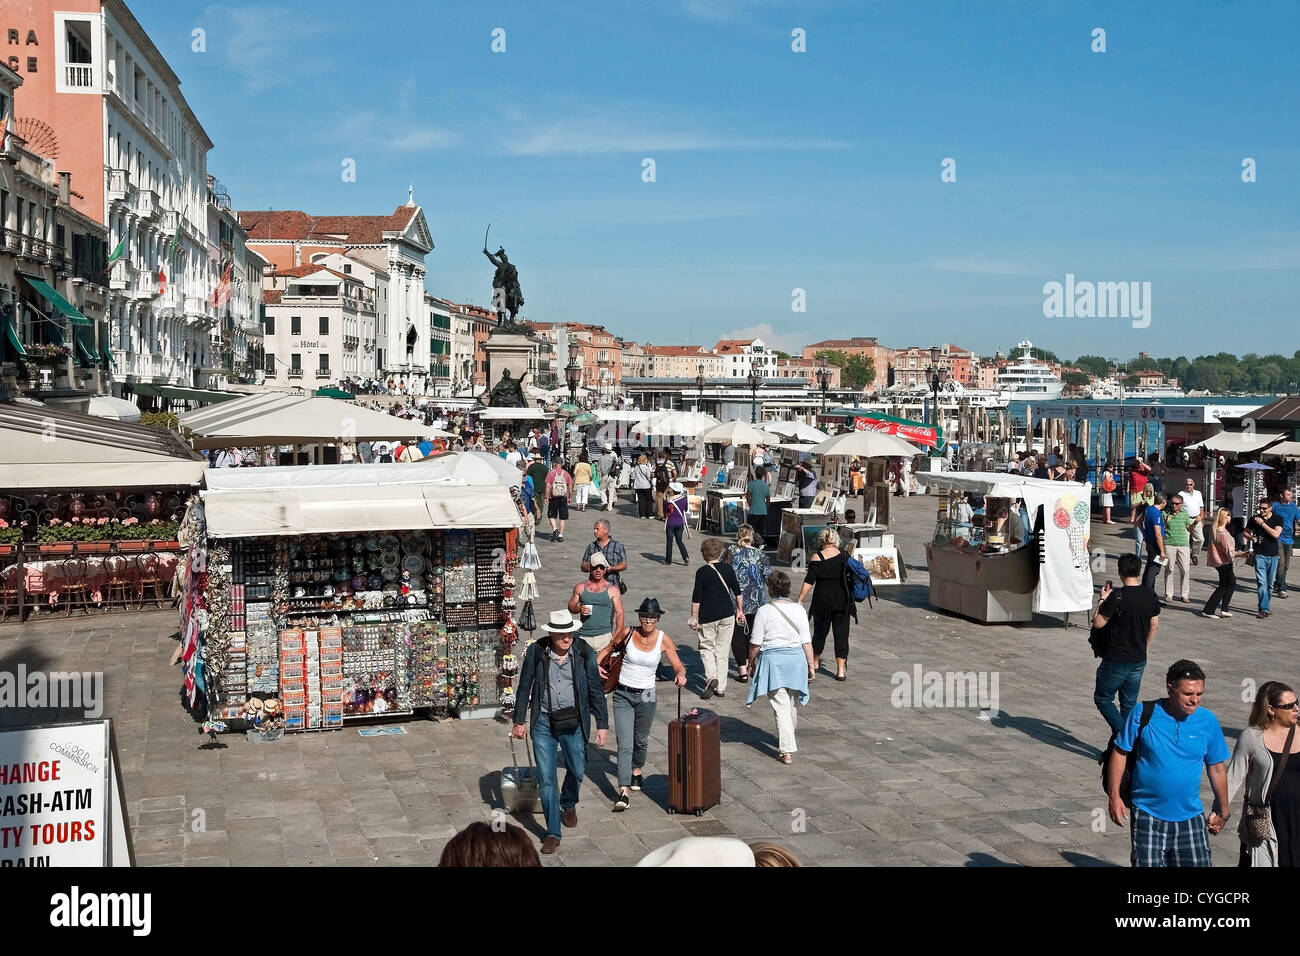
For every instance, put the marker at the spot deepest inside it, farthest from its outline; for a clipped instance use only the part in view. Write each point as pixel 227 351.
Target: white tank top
pixel 639 667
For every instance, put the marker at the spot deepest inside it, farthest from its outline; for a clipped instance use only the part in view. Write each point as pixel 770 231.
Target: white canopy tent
pixel 797 430
pixel 1238 442
pixel 106 406
pixel 307 421
pixel 513 414
pixel 686 424
pixel 1286 449
pixel 866 444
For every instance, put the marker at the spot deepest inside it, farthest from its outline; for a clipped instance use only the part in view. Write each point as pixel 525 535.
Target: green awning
pixel 183 394
pixel 87 353
pixel 330 392
pixel 55 329
pixel 56 300
pixel 105 351
pixel 12 335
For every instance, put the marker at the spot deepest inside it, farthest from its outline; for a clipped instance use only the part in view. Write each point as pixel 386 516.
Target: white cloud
pixel 258 42
pixel 593 135
pixel 792 342
pixel 368 129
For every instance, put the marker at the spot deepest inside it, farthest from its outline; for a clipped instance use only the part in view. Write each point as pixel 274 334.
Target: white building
pixel 739 356
pixel 316 321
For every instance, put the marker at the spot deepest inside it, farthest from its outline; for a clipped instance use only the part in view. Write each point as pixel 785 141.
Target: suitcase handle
pixel 514 758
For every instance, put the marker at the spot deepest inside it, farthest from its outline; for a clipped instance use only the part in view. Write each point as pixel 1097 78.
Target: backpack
pixel 1099 637
pixel 527 489
pixel 1126 781
pixel 860 582
pixel 560 486
pixel 615 467
pixel 662 478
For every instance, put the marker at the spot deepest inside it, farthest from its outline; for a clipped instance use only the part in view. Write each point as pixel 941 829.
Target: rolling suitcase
pixel 520 791
pixel 694 761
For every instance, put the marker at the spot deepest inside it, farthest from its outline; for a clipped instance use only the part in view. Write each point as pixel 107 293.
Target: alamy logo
pixel 1098 300
pixel 57 689
pixel 75 909
pixel 922 688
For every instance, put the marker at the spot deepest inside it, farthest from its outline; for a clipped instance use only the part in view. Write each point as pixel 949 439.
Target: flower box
pixel 133 546
pixel 94 547
pixel 7 549
pixel 55 550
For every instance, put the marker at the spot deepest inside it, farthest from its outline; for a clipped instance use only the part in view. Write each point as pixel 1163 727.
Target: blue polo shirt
pixel 1288 514
pixel 1152 518
pixel 1167 778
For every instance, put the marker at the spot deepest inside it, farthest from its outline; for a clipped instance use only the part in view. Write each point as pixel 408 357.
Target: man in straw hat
pixel 560 690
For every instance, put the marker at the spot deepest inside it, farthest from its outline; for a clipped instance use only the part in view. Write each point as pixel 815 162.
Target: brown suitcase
pixel 694 761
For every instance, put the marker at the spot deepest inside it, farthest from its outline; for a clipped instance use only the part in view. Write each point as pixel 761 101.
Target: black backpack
pixel 662 478
pixel 615 467
pixel 1126 781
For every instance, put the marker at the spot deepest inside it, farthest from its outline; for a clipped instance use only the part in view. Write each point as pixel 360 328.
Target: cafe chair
pixel 10 592
pixel 75 588
pixel 149 569
pixel 117 589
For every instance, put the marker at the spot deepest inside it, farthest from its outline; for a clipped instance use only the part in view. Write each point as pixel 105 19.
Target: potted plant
pixel 42 354
pixel 57 537
pixel 128 533
pixel 11 535
pixel 162 533
pixel 94 536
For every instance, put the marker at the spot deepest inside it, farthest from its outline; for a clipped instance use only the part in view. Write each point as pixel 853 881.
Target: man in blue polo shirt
pixel 1169 828
pixel 1153 533
pixel 1286 509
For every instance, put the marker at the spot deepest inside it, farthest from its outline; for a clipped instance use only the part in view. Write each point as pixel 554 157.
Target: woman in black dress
pixel 832 602
pixel 1268 747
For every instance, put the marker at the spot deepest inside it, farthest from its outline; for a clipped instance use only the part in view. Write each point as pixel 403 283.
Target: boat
pixel 1111 390
pixel 1027 380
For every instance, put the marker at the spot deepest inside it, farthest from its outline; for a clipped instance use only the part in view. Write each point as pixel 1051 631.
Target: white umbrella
pixel 797 430
pixel 738 433
pixel 475 468
pixel 687 424
pixel 865 444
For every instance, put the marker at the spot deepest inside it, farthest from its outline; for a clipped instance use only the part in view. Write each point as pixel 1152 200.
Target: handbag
pixel 1257 822
pixel 611 660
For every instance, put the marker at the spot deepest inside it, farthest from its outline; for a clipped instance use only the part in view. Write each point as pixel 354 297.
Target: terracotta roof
pixel 295 224
pixel 676 350
pixel 272 296
pixel 857 341
pixel 727 346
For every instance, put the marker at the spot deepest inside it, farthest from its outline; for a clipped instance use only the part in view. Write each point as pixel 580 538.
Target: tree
pixel 1131 381
pixel 1095 364
pixel 1076 379
pixel 856 371
pixel 784 356
pixel 1042 355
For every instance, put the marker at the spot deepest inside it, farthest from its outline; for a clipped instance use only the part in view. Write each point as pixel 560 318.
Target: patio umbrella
pixel 475 468
pixel 1255 466
pixel 738 433
pixel 865 444
pixel 796 430
pixel 686 424
pixel 567 409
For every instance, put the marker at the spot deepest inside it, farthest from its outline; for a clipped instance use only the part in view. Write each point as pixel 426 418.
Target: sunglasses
pixel 1291 706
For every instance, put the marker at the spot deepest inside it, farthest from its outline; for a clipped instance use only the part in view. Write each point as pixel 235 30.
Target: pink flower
pixel 67 524
pixel 54 522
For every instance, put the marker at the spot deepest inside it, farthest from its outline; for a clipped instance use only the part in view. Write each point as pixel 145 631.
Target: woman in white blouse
pixel 781 659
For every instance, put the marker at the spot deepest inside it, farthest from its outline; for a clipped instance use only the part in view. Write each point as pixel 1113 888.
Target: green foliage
pixel 856 371
pixel 1131 381
pixel 1095 364
pixel 165 420
pixel 1076 379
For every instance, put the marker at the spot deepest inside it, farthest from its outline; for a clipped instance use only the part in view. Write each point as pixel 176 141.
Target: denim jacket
pixel 590 696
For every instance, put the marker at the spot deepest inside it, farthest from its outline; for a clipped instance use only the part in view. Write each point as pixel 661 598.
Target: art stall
pixel 322 594
pixel 997 563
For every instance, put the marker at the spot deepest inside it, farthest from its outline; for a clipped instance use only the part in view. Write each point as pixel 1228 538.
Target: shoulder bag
pixel 1257 822
pixel 567 719
pixel 1099 637
pixel 730 593
pixel 611 660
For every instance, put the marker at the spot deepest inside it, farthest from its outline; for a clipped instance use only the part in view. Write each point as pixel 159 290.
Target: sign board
pixel 920 434
pixel 61 797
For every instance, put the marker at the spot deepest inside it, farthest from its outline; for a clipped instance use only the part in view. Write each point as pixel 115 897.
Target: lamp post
pixel 933 371
pixel 823 379
pixel 699 388
pixel 755 379
pixel 572 375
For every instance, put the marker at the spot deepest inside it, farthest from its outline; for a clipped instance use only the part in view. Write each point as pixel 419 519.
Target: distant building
pixel 880 356
pixel 316 319
pixel 633 358
pixel 740 356
pixel 682 361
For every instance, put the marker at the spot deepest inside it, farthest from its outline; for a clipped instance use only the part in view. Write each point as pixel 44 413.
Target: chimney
pixel 65 187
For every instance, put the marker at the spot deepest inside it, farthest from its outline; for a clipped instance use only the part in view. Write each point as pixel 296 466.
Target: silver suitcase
pixel 519 788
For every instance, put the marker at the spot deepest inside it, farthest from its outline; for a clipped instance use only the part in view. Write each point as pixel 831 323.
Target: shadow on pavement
pixel 1044 731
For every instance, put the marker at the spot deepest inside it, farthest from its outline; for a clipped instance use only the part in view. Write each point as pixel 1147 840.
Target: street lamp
pixel 699 387
pixel 934 387
pixel 755 379
pixel 823 379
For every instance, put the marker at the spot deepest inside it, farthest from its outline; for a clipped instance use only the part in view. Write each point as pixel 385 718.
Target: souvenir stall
pixel 322 594
pixel 998 566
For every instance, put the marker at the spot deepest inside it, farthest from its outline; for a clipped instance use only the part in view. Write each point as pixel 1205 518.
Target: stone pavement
pixel 872 783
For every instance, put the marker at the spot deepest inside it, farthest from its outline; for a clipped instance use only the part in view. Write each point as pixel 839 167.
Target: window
pixel 295 325
pixel 295 362
pixel 347 269
pixel 324 325
pixel 270 325
pixel 269 367
pixel 324 363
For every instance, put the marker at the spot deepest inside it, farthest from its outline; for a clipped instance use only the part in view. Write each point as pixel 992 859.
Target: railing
pixel 11 239
pixel 350 342
pixel 324 373
pixel 79 76
pixel 119 278
pixel 146 286
pixel 119 184
pixel 83 270
pixel 294 373
pixel 170 221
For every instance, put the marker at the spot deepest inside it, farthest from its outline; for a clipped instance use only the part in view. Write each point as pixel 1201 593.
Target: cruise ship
pixel 1026 380
pixel 1111 390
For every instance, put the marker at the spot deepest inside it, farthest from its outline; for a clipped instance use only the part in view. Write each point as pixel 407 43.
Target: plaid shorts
pixel 1160 843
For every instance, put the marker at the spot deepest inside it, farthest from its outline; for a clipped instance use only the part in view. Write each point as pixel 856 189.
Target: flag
pixel 116 254
pixel 4 122
pixel 176 242
pixel 162 281
pixel 222 291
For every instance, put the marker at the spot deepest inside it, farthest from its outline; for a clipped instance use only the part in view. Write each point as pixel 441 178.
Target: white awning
pixel 306 421
pixel 1238 442
pixel 332 510
pixel 106 406
pixel 513 414
pixel 1286 449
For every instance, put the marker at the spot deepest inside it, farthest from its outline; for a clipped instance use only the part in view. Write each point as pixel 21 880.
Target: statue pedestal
pixel 507 351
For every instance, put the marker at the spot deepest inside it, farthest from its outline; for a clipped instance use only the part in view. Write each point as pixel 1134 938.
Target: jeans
pixel 1283 563
pixel 1222 594
pixel 675 531
pixel 1117 677
pixel 1265 574
pixel 1137 536
pixel 634 712
pixel 574 748
pixel 715 648
pixel 805 501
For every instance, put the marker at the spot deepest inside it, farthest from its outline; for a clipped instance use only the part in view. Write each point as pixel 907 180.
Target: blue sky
pixel 778 170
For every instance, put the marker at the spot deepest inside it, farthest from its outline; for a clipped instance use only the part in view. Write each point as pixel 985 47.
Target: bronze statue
pixel 506 296
pixel 508 393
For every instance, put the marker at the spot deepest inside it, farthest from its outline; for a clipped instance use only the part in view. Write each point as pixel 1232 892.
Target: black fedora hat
pixel 649 607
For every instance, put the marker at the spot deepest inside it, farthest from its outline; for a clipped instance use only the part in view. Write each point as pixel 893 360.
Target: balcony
pixel 294 373
pixel 119 278
pixel 324 373
pixel 350 342
pixel 119 185
pixel 146 286
pixel 146 204
pixel 11 239
pixel 81 76
pixel 170 221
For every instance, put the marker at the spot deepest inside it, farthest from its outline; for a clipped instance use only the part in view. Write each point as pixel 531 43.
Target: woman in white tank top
pixel 634 697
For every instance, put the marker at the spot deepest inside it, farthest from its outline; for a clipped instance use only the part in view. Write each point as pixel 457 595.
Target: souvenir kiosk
pixel 994 567
pixel 322 594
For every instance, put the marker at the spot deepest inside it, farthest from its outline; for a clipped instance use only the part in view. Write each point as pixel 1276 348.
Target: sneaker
pixel 710 689
pixel 622 803
pixel 1225 614
pixel 1263 614
pixel 636 781
pixel 718 693
pixel 1282 594
pixel 1206 614
pixel 560 538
